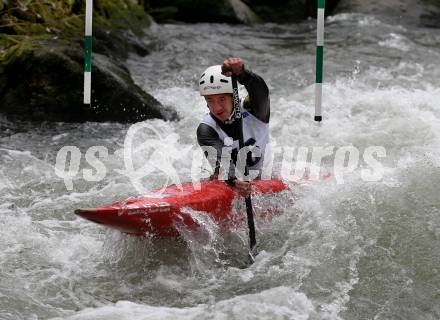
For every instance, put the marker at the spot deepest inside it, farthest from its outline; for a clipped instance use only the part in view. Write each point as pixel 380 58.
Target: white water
pixel 358 250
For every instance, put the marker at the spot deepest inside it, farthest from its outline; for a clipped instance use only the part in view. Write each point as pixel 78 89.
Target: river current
pixel 350 249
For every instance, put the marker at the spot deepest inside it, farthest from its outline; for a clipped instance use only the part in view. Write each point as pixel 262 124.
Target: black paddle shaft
pixel 239 118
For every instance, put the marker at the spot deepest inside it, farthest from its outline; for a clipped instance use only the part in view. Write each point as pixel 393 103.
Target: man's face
pixel 220 105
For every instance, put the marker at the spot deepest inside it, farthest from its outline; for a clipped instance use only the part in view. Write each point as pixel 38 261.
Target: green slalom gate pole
pixel 88 52
pixel 319 59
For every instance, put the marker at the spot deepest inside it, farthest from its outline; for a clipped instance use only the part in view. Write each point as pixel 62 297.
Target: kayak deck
pixel 158 212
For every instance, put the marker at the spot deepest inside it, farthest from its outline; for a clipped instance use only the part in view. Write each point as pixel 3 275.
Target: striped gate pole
pixel 88 52
pixel 319 59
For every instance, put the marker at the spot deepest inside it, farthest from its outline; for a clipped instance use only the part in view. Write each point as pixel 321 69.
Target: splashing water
pixel 351 250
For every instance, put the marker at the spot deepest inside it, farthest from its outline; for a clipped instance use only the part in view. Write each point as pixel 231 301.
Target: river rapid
pixel 350 249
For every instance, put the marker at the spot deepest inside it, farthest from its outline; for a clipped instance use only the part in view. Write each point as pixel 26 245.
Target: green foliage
pixel 39 17
pixel 65 18
pixel 70 3
pixel 24 22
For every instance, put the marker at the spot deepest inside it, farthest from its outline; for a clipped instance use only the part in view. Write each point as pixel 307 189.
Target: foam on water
pixel 339 250
pixel 276 303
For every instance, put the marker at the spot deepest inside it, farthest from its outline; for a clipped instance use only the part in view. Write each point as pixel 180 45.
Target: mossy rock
pixel 43 81
pixel 200 10
pixel 280 11
pixel 121 14
pixel 41 62
pixel 118 43
pixel 164 14
pixel 40 17
pixel 67 16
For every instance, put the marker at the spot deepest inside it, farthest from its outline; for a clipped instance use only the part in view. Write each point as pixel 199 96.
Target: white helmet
pixel 212 81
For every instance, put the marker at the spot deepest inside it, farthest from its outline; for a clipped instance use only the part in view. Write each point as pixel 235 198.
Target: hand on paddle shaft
pixel 244 188
pixel 232 67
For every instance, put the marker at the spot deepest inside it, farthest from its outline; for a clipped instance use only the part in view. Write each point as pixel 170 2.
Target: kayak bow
pixel 158 212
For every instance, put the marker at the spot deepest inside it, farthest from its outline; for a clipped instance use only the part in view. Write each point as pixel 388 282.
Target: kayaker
pixel 218 125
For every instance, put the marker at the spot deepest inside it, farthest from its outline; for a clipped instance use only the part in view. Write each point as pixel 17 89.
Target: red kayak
pixel 160 211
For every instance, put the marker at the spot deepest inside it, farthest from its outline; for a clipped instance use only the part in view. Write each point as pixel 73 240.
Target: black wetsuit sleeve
pixel 258 94
pixel 207 136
